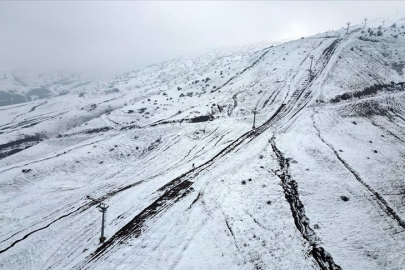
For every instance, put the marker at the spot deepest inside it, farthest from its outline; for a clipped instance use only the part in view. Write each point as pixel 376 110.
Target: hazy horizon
pixel 111 38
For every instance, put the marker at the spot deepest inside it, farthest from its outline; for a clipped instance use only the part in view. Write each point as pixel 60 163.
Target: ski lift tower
pixel 103 209
pixel 310 67
pixel 254 118
pixel 348 26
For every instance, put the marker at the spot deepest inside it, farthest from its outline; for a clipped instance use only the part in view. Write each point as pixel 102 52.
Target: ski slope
pixel 317 184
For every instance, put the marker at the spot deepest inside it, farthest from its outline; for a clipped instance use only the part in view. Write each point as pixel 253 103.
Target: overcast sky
pixel 115 37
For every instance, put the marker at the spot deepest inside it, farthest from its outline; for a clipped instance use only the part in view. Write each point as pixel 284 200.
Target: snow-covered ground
pixel 318 184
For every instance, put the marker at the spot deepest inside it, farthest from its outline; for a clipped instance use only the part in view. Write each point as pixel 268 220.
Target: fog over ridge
pixel 115 37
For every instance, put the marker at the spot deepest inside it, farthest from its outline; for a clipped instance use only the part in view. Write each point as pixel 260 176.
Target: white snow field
pixel 319 183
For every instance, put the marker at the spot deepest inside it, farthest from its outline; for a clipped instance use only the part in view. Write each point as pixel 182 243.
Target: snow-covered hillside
pixel 318 183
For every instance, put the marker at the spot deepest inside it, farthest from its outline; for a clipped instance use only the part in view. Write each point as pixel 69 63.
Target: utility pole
pixel 103 209
pixel 310 67
pixel 348 25
pixel 365 22
pixel 254 118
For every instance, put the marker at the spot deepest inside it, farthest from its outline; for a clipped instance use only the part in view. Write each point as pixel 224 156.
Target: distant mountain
pixel 20 86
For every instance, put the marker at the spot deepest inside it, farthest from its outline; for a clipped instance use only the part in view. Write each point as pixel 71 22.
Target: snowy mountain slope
pixel 370 60
pixel 190 185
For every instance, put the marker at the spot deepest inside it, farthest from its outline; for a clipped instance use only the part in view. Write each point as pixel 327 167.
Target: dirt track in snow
pixel 179 187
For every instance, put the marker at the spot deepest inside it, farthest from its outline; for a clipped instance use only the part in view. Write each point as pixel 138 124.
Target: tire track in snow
pixel 233 235
pixel 295 103
pixel 386 130
pixel 181 186
pixel 77 210
pixel 33 108
pixel 28 122
pixel 382 202
pixel 135 227
pixel 51 157
pixel 181 189
pixel 14 107
pixel 397 115
pixel 15 117
pixel 37 230
pixel 171 192
pixel 244 70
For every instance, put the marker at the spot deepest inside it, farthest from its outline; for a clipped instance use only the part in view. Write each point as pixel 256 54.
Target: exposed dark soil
pixel 301 221
pixel 16 146
pixel 135 226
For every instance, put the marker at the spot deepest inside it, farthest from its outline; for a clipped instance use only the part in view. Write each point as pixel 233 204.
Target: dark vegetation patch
pixel 197 119
pixel 398 67
pixel 368 108
pixel 97 130
pixel 92 107
pixel 154 144
pixel 88 131
pixel 369 92
pixel 113 90
pixel 366 38
pixel 16 146
pixel 141 110
pixel 203 118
